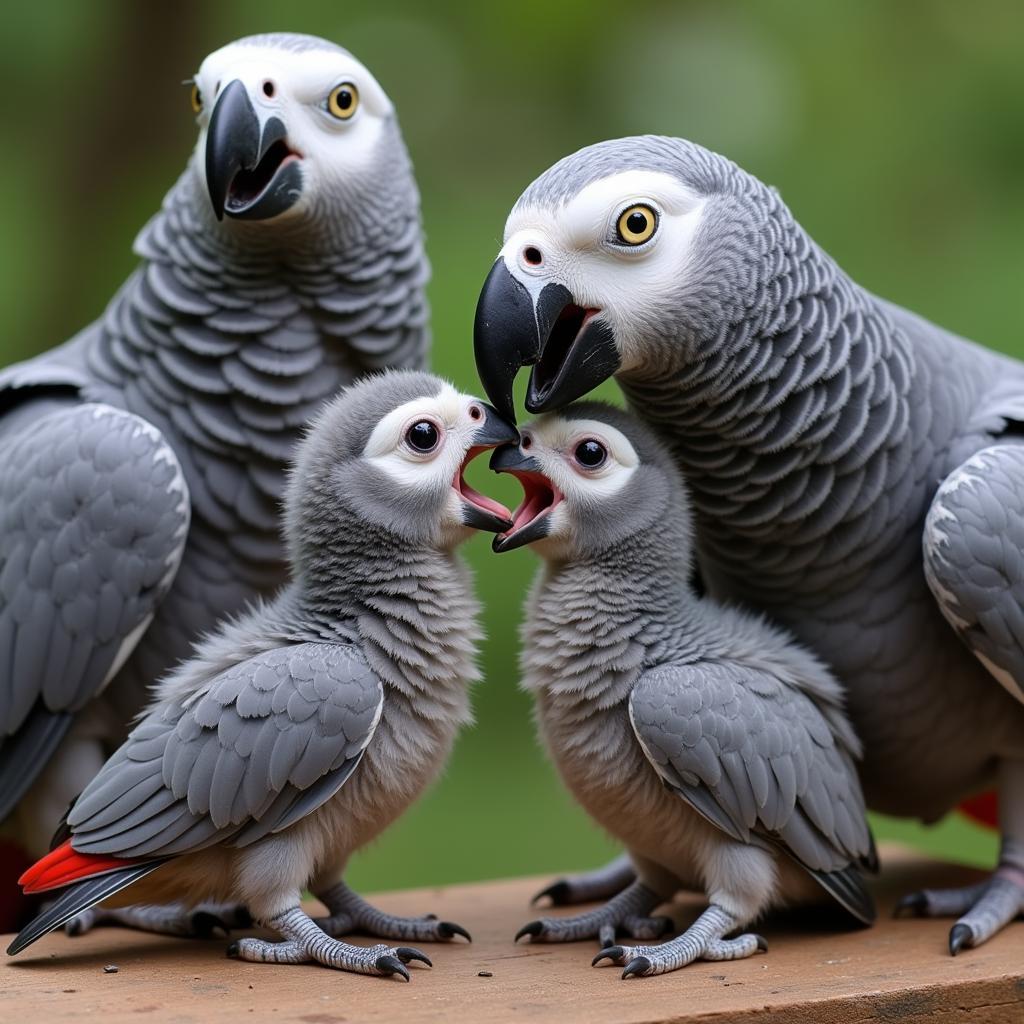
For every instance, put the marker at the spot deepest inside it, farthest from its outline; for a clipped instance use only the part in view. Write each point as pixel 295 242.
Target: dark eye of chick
pixel 590 453
pixel 423 436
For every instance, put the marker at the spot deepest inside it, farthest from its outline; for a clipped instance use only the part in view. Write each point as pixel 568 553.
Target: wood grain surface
pixel 817 971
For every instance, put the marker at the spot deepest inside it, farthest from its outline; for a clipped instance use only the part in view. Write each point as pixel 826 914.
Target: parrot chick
pixel 706 740
pixel 298 732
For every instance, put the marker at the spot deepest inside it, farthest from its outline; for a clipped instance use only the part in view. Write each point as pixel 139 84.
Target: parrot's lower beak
pixel 571 348
pixel 479 511
pixel 251 173
pixel 531 521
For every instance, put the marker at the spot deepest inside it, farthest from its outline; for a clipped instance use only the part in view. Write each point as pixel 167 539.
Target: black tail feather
pixel 23 755
pixel 848 888
pixel 76 898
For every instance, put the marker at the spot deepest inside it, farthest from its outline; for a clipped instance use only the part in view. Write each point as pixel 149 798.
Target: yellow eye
pixel 636 225
pixel 343 101
pixel 197 98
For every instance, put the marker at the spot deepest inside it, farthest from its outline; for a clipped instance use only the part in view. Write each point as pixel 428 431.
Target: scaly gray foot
pixel 626 913
pixel 305 943
pixel 208 920
pixel 703 940
pixel 350 913
pixel 982 909
pixel 602 884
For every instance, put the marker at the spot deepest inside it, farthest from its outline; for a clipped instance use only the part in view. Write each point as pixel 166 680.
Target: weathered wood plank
pixel 812 974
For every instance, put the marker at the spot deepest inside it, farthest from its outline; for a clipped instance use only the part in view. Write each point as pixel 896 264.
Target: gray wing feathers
pixel 755 758
pixel 269 741
pixel 974 558
pixel 94 514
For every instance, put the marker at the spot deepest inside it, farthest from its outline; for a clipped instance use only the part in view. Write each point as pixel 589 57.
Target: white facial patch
pixel 578 249
pixel 299 85
pixel 554 440
pixel 388 448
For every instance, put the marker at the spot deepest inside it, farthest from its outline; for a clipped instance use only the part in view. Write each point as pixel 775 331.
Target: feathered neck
pixel 411 606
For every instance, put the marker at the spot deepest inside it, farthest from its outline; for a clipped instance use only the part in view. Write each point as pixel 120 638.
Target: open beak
pixel 479 511
pixel 251 173
pixel 531 520
pixel 571 348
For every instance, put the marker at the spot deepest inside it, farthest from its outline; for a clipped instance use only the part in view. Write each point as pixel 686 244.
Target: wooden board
pixel 814 973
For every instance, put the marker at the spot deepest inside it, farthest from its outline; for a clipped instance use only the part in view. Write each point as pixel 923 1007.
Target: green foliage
pixel 893 130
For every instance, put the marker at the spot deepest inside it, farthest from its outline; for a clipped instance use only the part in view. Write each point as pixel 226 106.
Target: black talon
pixel 242 917
pixel 534 928
pixel 960 937
pixel 206 925
pixel 407 953
pixel 915 902
pixel 388 965
pixel 448 929
pixel 430 917
pixel 762 943
pixel 233 950
pixel 638 965
pixel 560 894
pixel 612 953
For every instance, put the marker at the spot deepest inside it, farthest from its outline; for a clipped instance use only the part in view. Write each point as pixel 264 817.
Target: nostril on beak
pixel 532 256
pixel 269 88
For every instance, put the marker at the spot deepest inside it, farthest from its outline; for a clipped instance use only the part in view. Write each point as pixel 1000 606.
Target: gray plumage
pixel 816 424
pixel 225 341
pixel 656 703
pixel 300 730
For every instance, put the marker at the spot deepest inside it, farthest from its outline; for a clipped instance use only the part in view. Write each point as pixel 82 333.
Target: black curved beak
pixel 479 511
pixel 251 174
pixel 571 349
pixel 538 497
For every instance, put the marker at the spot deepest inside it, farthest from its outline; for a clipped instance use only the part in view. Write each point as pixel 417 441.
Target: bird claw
pixel 914 904
pixel 532 928
pixel 616 954
pixel 762 943
pixel 388 965
pixel 559 893
pixel 408 953
pixel 639 966
pixel 961 936
pixel 448 929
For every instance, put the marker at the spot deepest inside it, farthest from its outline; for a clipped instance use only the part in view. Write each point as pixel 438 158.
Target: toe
pixel 234 951
pixel 639 965
pixel 762 943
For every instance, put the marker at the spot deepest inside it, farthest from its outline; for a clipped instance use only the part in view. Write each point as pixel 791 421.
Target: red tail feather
pixel 63 865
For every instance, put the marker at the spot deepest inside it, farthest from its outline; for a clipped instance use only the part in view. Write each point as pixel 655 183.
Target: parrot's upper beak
pixel 479 511
pixel 571 349
pixel 531 520
pixel 251 173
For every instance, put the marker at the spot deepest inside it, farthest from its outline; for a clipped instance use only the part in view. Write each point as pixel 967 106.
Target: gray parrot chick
pixel 708 741
pixel 297 732
pixel 149 452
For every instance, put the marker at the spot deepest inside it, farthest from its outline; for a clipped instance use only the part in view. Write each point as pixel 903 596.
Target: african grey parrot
pixel 855 470
pixel 145 458
pixel 300 730
pixel 706 740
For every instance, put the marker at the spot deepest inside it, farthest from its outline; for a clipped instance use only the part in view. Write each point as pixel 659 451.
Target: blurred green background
pixel 894 130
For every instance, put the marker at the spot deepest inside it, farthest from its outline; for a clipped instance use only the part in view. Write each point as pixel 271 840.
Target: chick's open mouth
pixel 540 496
pixel 500 515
